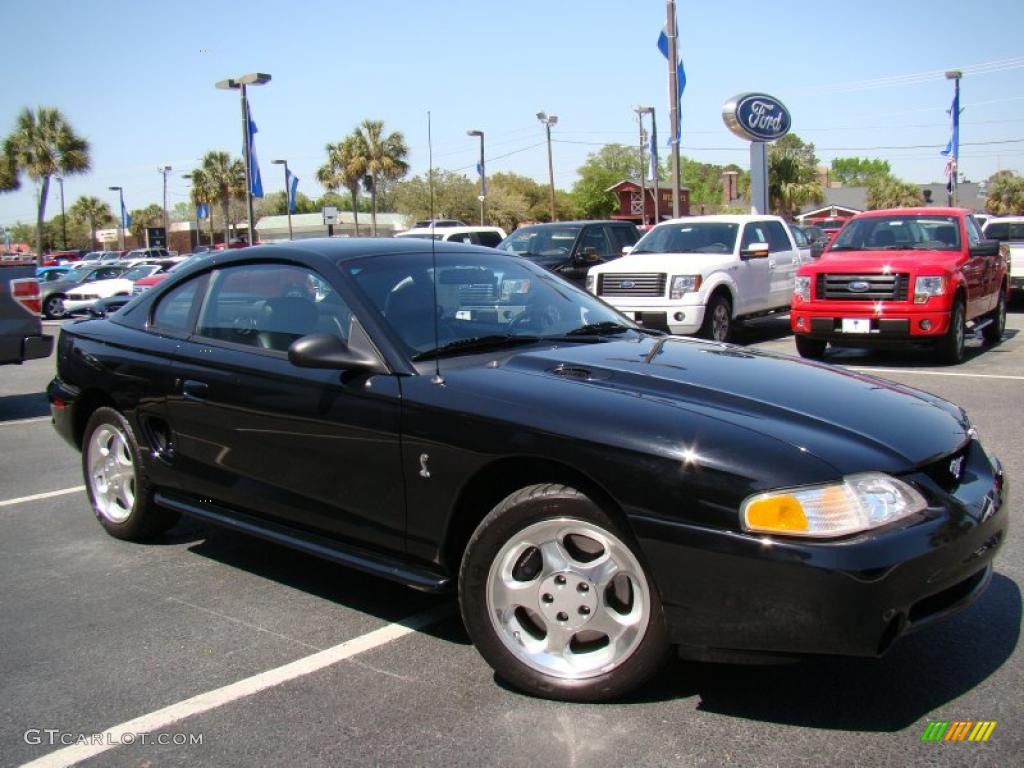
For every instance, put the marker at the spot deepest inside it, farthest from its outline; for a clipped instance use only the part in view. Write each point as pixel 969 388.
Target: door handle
pixel 194 390
pixel 771 263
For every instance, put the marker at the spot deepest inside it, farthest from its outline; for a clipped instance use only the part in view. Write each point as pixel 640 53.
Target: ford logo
pixel 858 286
pixel 627 284
pixel 757 117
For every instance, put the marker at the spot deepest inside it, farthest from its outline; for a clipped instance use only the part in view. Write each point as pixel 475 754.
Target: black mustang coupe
pixel 596 492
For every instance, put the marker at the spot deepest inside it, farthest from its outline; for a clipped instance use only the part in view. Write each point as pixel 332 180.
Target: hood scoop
pixel 577 373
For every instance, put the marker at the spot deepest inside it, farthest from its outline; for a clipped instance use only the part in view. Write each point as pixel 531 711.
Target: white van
pixel 489 236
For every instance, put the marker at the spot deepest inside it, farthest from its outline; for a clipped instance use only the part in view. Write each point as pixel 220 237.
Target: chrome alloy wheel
pixel 720 322
pixel 568 598
pixel 111 473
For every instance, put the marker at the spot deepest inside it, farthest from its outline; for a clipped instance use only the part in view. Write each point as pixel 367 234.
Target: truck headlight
pixel 590 283
pixel 926 287
pixel 857 503
pixel 684 284
pixel 802 287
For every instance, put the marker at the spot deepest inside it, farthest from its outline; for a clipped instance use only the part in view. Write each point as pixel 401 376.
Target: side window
pixel 800 238
pixel 490 239
pixel 594 237
pixel 624 236
pixel 974 236
pixel 271 305
pixel 754 233
pixel 778 240
pixel 173 310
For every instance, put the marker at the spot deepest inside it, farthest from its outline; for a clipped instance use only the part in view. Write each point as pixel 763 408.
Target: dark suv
pixel 571 248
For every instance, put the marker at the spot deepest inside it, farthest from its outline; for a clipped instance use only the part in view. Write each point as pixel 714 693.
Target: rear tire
pixel 556 600
pixel 951 348
pixel 53 307
pixel 812 349
pixel 718 323
pixel 993 332
pixel 118 489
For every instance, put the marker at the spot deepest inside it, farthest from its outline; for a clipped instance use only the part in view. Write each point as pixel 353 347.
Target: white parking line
pixel 26 421
pixel 204 702
pixel 935 373
pixel 37 496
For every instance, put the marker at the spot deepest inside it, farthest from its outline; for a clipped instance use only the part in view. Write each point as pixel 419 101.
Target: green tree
pixel 792 176
pixel 536 196
pixel 276 204
pixel 383 157
pixel 890 192
pixel 454 196
pixel 858 171
pixel 42 145
pixel 1005 195
pixel 346 167
pixel 93 212
pixel 602 169
pixel 150 216
pixel 219 179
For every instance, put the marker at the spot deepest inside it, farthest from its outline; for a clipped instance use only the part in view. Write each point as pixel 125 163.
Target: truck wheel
pixel 118 489
pixel 812 349
pixel 556 599
pixel 53 307
pixel 993 332
pixel 951 348
pixel 718 323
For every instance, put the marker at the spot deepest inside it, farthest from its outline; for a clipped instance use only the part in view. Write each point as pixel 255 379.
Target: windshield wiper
pixel 475 344
pixel 604 328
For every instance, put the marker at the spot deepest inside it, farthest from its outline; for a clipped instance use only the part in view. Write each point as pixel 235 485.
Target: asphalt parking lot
pixel 208 648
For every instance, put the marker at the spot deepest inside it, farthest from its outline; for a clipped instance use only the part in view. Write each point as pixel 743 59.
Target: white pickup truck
pixel 702 274
pixel 1009 231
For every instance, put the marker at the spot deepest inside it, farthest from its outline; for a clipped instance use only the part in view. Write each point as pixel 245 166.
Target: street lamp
pixel 955 75
pixel 287 194
pixel 483 173
pixel 120 222
pixel 548 121
pixel 239 84
pixel 63 221
pixel 164 170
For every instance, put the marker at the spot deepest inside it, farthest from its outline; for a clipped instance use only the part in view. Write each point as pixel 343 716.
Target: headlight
pixel 925 287
pixel 858 503
pixel 684 284
pixel 590 283
pixel 802 287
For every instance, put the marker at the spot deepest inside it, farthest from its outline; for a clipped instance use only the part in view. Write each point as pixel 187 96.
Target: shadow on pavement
pixel 14 407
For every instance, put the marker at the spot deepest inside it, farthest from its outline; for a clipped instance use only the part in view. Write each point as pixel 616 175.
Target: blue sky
pixel 136 78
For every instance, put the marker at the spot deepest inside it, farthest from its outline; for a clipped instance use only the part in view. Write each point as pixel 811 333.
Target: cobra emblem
pixel 424 472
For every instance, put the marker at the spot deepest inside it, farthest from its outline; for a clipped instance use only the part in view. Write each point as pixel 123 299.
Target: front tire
pixel 993 332
pixel 556 600
pixel 718 324
pixel 53 307
pixel 951 348
pixel 118 490
pixel 812 349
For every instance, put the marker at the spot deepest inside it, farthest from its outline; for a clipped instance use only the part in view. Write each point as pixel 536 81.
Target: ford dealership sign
pixel 757 117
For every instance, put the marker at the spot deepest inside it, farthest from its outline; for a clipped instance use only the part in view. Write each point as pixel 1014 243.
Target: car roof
pixel 1004 219
pixel 724 218
pixel 575 223
pixel 446 230
pixel 918 211
pixel 339 249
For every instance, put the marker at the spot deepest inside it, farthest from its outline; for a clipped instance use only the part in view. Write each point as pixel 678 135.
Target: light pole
pixel 654 161
pixel 483 173
pixel 287 194
pixel 548 121
pixel 120 222
pixel 239 83
pixel 163 170
pixel 955 75
pixel 63 221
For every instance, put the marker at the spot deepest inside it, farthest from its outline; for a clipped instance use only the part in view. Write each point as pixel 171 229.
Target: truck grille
pixel 850 287
pixel 631 284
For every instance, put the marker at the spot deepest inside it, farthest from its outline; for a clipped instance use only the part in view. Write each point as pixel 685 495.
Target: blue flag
pixel 255 181
pixel 953 145
pixel 680 74
pixel 202 211
pixel 126 219
pixel 483 180
pixel 652 171
pixel 293 185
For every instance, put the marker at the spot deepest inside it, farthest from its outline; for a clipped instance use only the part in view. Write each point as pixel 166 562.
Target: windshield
pixel 136 273
pixel 1004 231
pixel 481 300
pixel 541 242
pixel 897 233
pixel 689 237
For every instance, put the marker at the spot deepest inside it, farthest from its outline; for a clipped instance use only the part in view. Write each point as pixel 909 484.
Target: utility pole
pixel 548 121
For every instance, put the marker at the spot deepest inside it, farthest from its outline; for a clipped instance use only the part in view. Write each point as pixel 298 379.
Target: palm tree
pixel 203 193
pixel 94 212
pixel 43 144
pixel 345 167
pixel 219 179
pixel 383 157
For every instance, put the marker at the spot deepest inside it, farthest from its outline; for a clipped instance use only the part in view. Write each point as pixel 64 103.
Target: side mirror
pixel 325 350
pixel 756 251
pixel 627 249
pixel 985 248
pixel 589 255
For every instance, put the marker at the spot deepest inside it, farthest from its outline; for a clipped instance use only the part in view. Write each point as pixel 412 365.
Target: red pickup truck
pixel 902 276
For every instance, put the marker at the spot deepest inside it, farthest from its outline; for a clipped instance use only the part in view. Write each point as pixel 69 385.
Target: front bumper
pixel 676 318
pixel 78 305
pixel 878 325
pixel 732 591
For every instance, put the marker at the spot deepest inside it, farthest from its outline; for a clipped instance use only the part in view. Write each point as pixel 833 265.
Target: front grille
pixel 644 284
pixel 894 287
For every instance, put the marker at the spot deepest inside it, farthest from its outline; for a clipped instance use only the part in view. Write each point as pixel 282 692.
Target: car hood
pixel 102 287
pixel 851 421
pixel 676 263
